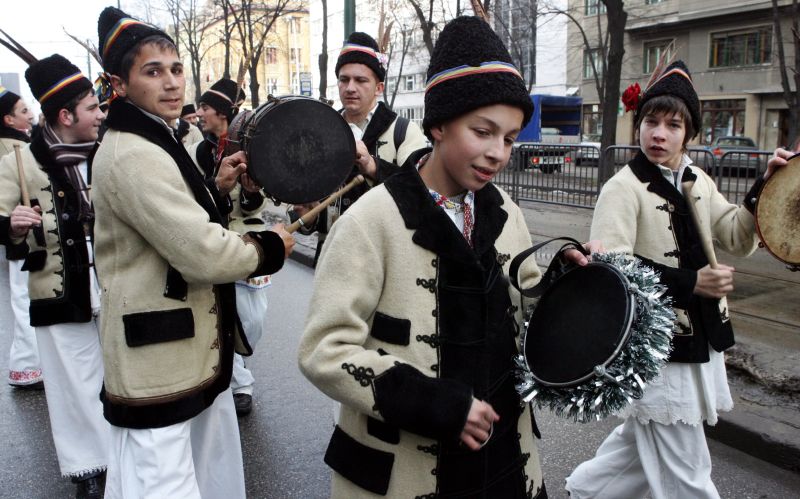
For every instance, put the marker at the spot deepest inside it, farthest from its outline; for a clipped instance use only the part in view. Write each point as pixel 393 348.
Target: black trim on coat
pixel 270 252
pixel 383 431
pixel 391 329
pixel 370 469
pixel 160 326
pixel 6 132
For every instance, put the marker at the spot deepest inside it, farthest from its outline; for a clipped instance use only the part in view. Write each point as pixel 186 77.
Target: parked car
pixel 588 151
pixel 548 155
pixel 733 157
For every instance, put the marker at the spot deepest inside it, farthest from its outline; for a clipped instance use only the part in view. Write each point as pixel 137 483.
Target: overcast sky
pixel 37 25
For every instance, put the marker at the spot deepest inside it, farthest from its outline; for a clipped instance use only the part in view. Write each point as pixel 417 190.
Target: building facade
pixel 730 49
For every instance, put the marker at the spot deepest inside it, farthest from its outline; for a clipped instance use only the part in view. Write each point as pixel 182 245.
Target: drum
pixel 236 130
pixel 596 336
pixel 777 214
pixel 298 148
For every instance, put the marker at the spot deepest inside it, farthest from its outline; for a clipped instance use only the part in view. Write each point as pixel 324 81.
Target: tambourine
pixel 777 214
pixel 597 335
pixel 298 149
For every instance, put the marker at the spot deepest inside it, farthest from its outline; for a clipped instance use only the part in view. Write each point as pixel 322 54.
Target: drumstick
pixel 312 213
pixel 706 242
pixel 26 199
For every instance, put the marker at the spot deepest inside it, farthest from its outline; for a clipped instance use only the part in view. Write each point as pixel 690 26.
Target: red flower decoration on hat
pixel 631 96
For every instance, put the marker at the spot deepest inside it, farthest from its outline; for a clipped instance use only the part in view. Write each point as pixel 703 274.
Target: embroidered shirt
pixel 459 208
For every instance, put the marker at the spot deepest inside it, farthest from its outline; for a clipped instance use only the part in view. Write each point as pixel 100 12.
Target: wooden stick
pixel 23 185
pixel 706 242
pixel 312 213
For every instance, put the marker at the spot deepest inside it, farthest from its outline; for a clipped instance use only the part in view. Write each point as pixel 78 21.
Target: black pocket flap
pixel 35 261
pixel 391 329
pixel 370 469
pixel 147 328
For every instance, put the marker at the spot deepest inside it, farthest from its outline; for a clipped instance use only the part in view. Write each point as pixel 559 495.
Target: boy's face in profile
pixel 471 149
pixel 156 82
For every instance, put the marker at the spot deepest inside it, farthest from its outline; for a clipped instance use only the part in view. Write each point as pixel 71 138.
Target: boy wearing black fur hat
pixel 23 358
pixel 650 208
pixel 62 284
pixel 169 330
pixel 383 140
pixel 413 322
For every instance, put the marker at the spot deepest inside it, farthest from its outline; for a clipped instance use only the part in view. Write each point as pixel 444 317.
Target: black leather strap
pixel 547 278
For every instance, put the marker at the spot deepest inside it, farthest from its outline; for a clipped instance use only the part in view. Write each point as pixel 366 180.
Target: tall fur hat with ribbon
pixel 360 48
pixel 117 33
pixel 471 68
pixel 54 81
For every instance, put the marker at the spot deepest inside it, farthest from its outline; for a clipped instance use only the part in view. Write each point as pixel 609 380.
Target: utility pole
pixel 349 17
pixel 89 61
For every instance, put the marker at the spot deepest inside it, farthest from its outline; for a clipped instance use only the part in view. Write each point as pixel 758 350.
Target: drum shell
pixel 299 149
pixel 777 213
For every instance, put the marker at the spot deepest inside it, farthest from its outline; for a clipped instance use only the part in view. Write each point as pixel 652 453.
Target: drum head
pixel 778 213
pixel 299 149
pixel 580 322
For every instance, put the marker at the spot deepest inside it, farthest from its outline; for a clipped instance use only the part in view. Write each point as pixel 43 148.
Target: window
pixel 391 81
pixel 408 86
pixel 594 7
pixel 588 56
pixel 414 114
pixel 272 86
pixel 652 52
pixel 294 25
pixel 721 118
pixel 592 120
pixel 271 55
pixel 296 55
pixel 741 48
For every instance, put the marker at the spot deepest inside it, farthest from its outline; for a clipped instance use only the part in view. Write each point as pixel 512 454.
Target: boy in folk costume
pixel 414 325
pixel 167 266
pixel 62 284
pixel 667 211
pixel 23 358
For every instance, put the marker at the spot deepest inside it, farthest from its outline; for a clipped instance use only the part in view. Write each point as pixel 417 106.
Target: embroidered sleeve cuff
pixel 270 249
pixel 431 407
pixel 752 195
pixel 679 282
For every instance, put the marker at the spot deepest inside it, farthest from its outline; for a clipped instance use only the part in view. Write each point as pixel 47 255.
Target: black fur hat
pixel 54 81
pixel 360 48
pixel 8 100
pixel 675 80
pixel 118 33
pixel 224 96
pixel 471 68
pixel 188 109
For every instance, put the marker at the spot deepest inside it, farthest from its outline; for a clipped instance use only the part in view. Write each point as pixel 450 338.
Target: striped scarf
pixel 70 156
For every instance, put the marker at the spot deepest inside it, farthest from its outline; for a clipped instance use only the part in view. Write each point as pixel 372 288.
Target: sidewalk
pixel 763 367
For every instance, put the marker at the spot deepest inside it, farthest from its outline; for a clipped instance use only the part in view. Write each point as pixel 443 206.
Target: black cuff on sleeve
pixel 752 195
pixel 679 282
pixel 249 201
pixel 5 230
pixel 431 407
pixel 271 252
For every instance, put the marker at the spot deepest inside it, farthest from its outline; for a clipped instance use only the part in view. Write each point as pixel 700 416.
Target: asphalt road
pixel 284 439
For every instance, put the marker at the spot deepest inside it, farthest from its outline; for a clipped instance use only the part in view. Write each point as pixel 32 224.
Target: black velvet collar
pixel 57 174
pixel 6 132
pixel 381 120
pixel 648 173
pixel 434 229
pixel 125 117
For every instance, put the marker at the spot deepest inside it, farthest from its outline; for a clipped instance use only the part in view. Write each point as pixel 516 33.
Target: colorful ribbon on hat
pixel 60 85
pixel 465 70
pixel 354 47
pixel 113 33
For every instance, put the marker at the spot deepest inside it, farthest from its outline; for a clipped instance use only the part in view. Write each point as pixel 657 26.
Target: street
pixel 285 437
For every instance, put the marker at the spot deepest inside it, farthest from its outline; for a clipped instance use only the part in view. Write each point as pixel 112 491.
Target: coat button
pixel 671 208
pixel 70 242
pixel 65 216
pixel 60 194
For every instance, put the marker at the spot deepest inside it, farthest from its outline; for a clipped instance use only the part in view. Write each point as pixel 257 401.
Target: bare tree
pixel 194 25
pixel 253 22
pixel 399 47
pixel 789 95
pixel 323 56
pixel 175 9
pixel 227 32
pixel 516 25
pixel 426 22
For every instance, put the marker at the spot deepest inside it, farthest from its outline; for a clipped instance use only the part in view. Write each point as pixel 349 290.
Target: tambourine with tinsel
pixel 597 335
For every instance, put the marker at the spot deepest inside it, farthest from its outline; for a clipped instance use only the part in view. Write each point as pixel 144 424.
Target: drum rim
pixel 761 238
pixel 628 324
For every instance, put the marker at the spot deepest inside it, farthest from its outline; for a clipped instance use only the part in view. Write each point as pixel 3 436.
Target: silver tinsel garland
pixel 639 362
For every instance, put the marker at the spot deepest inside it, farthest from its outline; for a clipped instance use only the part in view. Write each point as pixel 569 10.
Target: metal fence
pixel 571 174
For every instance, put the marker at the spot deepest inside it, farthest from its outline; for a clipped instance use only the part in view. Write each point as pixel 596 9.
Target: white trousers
pixel 23 358
pixel 668 461
pixel 251 304
pixel 198 458
pixel 72 363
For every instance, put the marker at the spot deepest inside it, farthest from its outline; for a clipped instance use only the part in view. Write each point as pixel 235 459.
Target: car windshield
pixel 736 142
